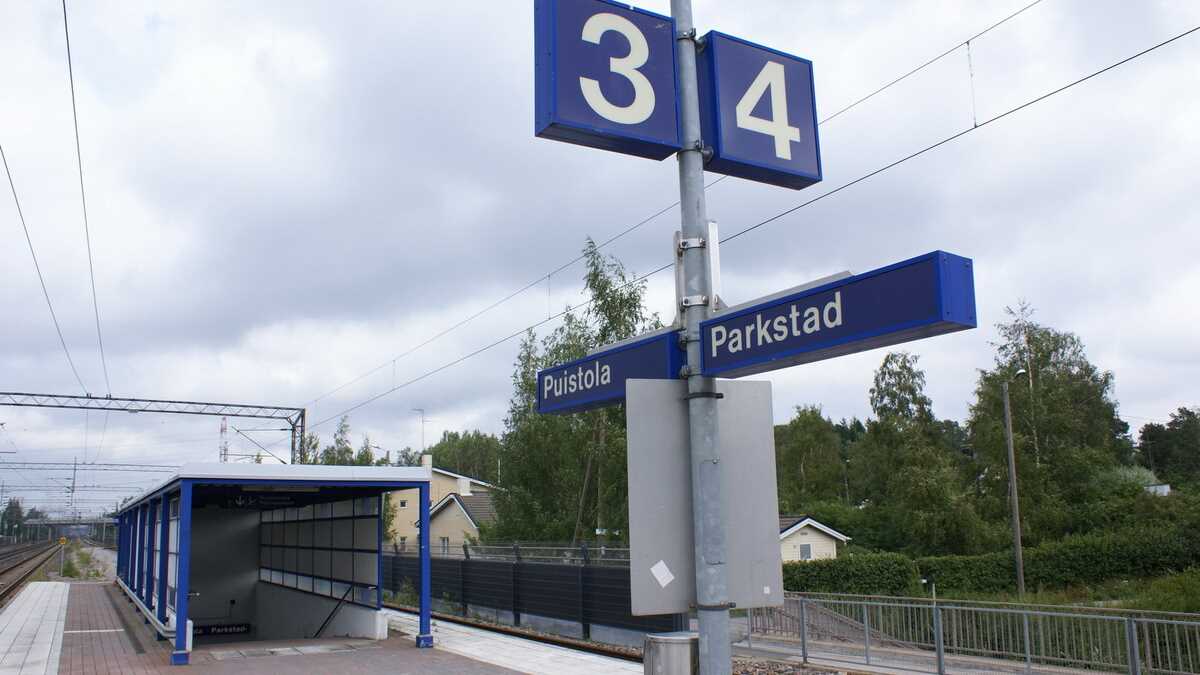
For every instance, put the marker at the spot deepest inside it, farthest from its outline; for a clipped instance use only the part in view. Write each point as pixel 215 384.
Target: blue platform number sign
pixel 757 112
pixel 605 77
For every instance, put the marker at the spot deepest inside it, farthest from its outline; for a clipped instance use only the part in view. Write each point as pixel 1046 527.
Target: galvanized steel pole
pixel 708 521
pixel 1012 495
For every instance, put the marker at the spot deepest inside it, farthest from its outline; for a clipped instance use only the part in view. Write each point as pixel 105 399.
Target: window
pixel 403 543
pixel 445 545
pixel 172 551
pixel 326 549
pixel 404 503
pixel 806 551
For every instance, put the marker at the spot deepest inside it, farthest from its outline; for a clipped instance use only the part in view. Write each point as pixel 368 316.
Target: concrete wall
pixel 284 613
pixel 224 566
pixel 823 545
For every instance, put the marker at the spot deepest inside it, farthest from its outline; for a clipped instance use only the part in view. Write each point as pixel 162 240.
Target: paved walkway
pixel 82 627
pixel 31 629
pixel 889 660
pixel 526 656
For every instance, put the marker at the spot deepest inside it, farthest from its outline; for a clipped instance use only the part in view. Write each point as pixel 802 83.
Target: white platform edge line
pixel 56 645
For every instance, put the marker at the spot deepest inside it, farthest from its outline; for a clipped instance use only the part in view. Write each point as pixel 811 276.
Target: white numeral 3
pixel 640 109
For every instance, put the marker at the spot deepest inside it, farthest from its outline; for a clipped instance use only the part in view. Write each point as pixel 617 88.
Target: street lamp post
pixel 1012 491
pixel 421 413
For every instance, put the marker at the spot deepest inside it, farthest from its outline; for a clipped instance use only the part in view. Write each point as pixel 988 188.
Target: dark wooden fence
pixel 585 594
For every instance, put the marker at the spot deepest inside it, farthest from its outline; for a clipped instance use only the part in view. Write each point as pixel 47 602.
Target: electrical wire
pixel 932 61
pixel 773 218
pixel 501 301
pixel 647 219
pixel 87 234
pixel 38 267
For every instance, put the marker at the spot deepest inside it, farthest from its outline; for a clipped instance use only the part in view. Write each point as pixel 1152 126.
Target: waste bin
pixel 671 653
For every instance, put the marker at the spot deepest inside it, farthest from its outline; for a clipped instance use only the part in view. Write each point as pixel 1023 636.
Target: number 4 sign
pixel 757 112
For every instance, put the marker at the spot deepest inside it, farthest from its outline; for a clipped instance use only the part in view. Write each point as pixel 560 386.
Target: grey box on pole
pixel 662 550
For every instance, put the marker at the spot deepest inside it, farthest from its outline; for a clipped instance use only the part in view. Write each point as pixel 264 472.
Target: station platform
pixel 90 627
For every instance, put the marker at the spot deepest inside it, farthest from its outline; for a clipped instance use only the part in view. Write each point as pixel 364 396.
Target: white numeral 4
pixel 642 106
pixel 770 77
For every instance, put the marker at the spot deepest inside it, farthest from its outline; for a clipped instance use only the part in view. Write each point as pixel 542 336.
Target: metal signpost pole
pixel 708 521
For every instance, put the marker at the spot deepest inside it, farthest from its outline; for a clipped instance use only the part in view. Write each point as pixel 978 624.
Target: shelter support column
pixel 148 567
pixel 164 519
pixel 424 635
pixel 183 636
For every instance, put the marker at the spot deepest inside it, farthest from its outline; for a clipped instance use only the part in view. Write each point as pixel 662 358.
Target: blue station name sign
pixel 598 379
pixel 918 298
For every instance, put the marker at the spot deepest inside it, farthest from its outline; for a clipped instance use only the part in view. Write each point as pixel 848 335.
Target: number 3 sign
pixel 605 78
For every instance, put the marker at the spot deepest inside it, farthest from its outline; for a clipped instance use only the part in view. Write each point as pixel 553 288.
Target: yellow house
pixel 458 504
pixel 803 538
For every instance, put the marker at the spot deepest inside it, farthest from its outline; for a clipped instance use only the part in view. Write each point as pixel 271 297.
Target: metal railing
pixel 955 636
pixel 580 554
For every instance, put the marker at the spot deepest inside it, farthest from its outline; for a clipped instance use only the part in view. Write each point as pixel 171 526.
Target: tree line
pixel 902 480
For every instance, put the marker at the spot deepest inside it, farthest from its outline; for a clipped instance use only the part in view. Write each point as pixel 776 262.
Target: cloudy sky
pixel 284 196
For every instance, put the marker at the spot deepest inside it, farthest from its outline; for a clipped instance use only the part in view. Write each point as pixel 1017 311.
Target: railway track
pixel 18 563
pixel 625 653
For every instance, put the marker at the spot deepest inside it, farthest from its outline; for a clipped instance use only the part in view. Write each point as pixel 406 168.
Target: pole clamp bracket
pixel 689 34
pixel 693 300
pixel 703 394
pixel 719 606
pixel 693 242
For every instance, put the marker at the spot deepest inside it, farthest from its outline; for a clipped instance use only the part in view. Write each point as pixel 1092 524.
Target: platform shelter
pixel 234 552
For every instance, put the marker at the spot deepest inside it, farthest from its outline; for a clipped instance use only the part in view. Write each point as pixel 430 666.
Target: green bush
pixel 1078 560
pixel 1084 559
pixel 866 573
pixel 1175 593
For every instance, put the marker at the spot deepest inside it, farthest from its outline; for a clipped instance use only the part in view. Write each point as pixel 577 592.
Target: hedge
pixel 865 573
pixel 1083 559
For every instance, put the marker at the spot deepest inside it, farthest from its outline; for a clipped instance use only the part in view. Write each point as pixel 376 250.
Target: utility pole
pixel 421 413
pixel 1012 494
pixel 708 521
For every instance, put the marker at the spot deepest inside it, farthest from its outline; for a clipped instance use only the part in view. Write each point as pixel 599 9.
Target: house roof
pixel 478 507
pixel 459 475
pixel 315 475
pixel 790 524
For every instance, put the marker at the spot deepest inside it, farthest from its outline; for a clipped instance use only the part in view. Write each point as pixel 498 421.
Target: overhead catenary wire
pixel 931 61
pixel 37 267
pixel 762 223
pixel 87 234
pixel 628 230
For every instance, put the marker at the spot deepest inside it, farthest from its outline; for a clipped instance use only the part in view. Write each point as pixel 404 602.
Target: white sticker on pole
pixel 662 574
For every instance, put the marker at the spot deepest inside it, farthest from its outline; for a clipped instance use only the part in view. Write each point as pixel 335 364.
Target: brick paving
pixel 104 635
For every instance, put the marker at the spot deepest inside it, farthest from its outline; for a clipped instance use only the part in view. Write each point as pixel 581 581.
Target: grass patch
pixel 69 569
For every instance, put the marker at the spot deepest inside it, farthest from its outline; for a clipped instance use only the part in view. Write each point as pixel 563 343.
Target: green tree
pixel 340 452
pixel 1066 431
pixel 808 460
pixel 899 392
pixel 471 453
pixel 907 470
pixel 13 513
pixel 563 474
pixel 1172 450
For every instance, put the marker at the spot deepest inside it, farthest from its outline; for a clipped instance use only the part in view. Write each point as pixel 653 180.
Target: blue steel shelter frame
pixel 143 522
